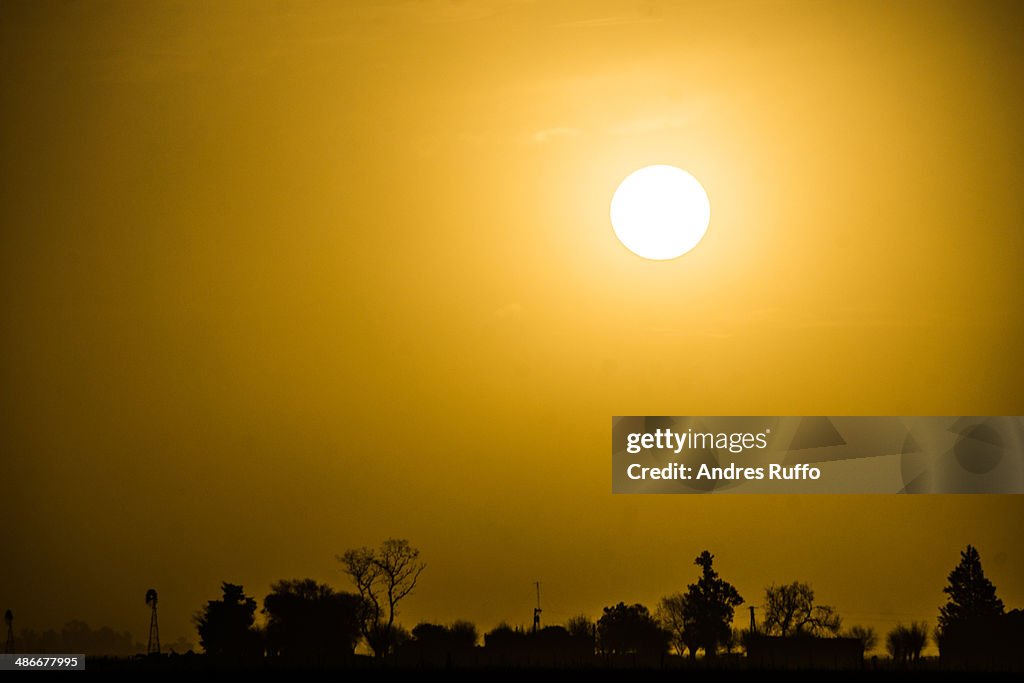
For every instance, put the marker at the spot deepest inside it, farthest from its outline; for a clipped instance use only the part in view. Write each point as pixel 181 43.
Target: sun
pixel 660 212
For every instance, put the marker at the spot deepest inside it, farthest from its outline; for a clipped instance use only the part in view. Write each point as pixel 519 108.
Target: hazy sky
pixel 280 279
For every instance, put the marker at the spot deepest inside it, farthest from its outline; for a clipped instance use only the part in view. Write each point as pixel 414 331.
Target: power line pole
pixel 537 610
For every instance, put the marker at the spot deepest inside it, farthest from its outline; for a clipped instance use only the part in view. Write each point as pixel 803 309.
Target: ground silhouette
pixel 305 624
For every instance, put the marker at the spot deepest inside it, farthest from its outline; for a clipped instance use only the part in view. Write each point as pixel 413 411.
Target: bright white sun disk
pixel 660 212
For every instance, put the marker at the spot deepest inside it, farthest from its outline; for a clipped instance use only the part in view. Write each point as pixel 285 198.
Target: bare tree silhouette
pixel 671 614
pixel 866 635
pixel 580 626
pixel 905 643
pixel 790 611
pixel 384 577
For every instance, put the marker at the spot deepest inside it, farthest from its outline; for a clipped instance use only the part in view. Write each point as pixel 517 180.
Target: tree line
pixel 310 622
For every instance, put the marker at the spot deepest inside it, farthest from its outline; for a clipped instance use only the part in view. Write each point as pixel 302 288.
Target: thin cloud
pixel 601 22
pixel 510 310
pixel 546 135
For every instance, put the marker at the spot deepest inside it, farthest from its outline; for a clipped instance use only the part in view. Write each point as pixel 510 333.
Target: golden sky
pixel 280 279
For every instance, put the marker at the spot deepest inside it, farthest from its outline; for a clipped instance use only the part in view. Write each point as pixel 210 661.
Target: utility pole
pixel 537 610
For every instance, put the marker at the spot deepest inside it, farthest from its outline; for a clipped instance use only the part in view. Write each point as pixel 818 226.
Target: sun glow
pixel 660 212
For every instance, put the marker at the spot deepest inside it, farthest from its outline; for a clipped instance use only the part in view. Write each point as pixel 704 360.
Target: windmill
pixel 153 648
pixel 9 620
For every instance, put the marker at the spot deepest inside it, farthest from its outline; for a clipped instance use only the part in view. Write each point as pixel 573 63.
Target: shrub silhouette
pixel 308 621
pixel 630 629
pixel 905 643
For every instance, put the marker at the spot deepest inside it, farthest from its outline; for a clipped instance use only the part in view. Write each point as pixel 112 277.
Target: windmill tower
pixel 153 648
pixel 9 620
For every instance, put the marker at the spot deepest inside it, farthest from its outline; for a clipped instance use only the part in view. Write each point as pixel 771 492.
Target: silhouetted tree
pixel 384 577
pixel 552 639
pixel 971 594
pixel 308 621
pixel 400 635
pixel 971 626
pixel 743 636
pixel 461 634
pixel 626 629
pixel 671 614
pixel 580 640
pixel 917 639
pixel 436 644
pixel 506 644
pixel 905 643
pixel 464 633
pixel 734 641
pixel 866 635
pixel 502 635
pixel 709 607
pixel 580 626
pixel 790 611
pixel 428 634
pixel 225 626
